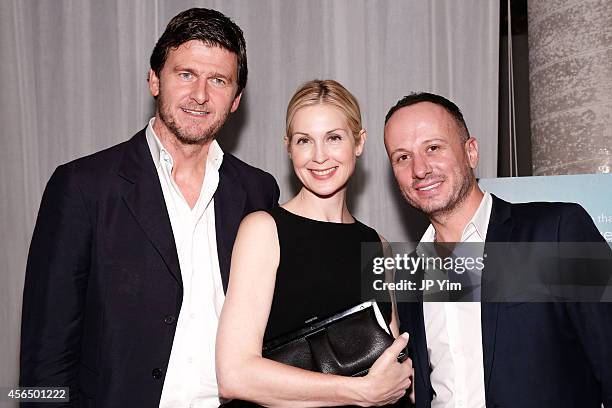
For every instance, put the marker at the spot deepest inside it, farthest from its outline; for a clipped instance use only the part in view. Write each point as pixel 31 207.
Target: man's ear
pixel 236 102
pixel 153 83
pixel 471 149
pixel 360 142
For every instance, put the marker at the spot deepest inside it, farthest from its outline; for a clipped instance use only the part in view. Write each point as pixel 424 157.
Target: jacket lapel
pixel 145 200
pixel 419 342
pixel 412 321
pixel 230 199
pixel 499 230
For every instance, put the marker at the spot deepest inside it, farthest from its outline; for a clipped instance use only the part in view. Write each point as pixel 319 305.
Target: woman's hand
pixel 388 380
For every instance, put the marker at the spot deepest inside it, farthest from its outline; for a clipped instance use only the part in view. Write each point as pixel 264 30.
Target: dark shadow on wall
pixel 520 56
pixel 294 184
pixel 229 135
pixel 414 222
pixel 356 187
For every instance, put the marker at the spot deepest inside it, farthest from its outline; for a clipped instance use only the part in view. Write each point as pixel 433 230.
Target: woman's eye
pixel 301 140
pixel 335 138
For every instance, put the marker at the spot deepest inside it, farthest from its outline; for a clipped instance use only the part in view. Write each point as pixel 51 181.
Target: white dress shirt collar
pixel 478 224
pixel 160 154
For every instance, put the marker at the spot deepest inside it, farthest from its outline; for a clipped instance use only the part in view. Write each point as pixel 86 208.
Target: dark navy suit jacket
pixel 535 354
pixel 103 286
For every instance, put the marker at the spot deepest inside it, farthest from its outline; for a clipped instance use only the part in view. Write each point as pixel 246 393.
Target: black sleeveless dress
pixel 319 273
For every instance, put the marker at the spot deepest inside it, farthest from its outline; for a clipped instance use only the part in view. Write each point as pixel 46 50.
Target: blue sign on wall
pixel 592 191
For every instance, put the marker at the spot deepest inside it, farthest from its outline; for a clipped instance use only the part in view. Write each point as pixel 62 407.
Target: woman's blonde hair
pixel 325 91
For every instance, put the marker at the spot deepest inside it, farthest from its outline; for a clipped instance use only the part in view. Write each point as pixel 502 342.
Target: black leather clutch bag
pixel 346 344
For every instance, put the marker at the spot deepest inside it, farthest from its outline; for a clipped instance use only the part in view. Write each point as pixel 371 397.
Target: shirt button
pixel 157 373
pixel 169 319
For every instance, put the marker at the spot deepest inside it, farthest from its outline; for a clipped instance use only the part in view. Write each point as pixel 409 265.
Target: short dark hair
pixel 418 97
pixel 206 25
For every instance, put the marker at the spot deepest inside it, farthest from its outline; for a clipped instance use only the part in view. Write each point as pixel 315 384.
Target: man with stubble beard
pixel 130 255
pixel 472 354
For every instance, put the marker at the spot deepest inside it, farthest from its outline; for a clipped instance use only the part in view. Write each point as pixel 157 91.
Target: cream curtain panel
pixel 72 81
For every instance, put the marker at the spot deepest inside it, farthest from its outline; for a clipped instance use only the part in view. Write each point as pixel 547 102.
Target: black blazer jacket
pixel 535 354
pixel 103 286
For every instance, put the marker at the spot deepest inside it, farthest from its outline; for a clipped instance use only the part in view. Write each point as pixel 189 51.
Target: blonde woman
pixel 301 261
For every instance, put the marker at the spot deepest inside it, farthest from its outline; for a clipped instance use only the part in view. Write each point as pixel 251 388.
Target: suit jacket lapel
pixel 413 321
pixel 419 342
pixel 145 200
pixel 230 199
pixel 499 230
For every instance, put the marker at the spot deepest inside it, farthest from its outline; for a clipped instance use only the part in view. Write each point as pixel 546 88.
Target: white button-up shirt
pixel 190 377
pixel 454 334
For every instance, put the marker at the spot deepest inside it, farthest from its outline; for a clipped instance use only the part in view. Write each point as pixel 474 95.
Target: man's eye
pixel 218 81
pixel 186 75
pixel 433 148
pixel 402 157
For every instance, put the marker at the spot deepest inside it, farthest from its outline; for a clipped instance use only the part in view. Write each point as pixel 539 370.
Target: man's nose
pixel 420 167
pixel 199 93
